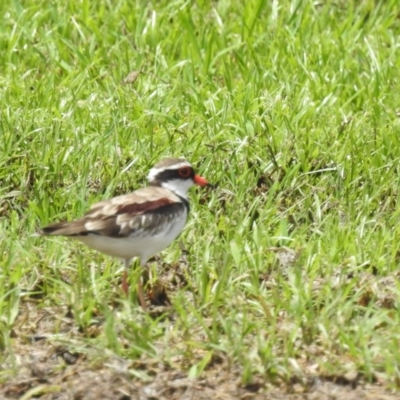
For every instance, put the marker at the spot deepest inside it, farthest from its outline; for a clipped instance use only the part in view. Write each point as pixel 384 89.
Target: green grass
pixel 292 107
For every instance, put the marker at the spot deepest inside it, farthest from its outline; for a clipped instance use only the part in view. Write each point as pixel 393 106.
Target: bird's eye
pixel 184 172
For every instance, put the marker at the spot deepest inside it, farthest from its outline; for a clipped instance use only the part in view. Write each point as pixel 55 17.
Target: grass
pixel 291 107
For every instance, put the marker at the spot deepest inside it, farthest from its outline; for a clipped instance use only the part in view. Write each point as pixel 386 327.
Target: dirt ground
pixel 51 372
pixel 48 367
pixel 81 381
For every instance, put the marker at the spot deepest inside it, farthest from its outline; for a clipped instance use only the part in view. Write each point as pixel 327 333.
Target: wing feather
pixel 145 212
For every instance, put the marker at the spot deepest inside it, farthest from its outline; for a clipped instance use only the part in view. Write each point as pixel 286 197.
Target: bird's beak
pixel 199 180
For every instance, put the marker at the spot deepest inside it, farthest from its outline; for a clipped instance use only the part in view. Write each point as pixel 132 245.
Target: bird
pixel 139 224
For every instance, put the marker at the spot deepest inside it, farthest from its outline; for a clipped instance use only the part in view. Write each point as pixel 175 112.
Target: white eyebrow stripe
pixel 155 171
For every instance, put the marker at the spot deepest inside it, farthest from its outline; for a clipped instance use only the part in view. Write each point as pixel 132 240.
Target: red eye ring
pixel 184 172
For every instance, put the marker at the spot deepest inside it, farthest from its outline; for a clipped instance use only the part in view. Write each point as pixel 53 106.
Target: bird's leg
pixel 140 290
pixel 125 285
pixel 145 276
pixel 142 299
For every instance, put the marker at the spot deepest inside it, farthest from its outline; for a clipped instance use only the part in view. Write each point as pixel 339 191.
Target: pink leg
pixel 142 299
pixel 124 285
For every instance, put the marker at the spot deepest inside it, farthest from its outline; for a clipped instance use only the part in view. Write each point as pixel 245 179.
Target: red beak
pixel 199 180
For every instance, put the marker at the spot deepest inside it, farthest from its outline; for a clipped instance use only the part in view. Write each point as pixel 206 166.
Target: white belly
pixel 141 246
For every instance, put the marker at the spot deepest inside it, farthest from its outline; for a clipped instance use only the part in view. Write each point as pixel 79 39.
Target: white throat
pixel 178 186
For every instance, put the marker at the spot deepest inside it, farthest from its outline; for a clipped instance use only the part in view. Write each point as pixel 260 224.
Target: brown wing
pixel 142 213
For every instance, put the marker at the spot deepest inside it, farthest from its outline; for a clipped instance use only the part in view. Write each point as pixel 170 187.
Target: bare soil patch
pixel 50 369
